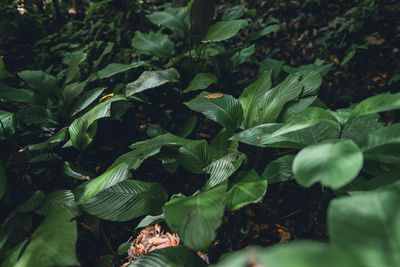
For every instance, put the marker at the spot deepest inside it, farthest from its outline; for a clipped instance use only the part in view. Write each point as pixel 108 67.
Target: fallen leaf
pixel 214 96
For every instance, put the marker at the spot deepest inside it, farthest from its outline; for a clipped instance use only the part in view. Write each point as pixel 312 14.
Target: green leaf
pixel 49 249
pixel 273 65
pixel 223 168
pixel 57 199
pixel 176 19
pixel 76 173
pixel 151 79
pixel 293 254
pixel 189 126
pixel 3 179
pixel 115 68
pixel 123 248
pixel 40 81
pixel 73 90
pixel 51 142
pixel 358 128
pixel 196 218
pixel 127 200
pixel 247 187
pixel 18 95
pixel 79 130
pixel 383 144
pixel 149 220
pixel 226 110
pixel 171 256
pixel 36 115
pixel 297 107
pixel 375 104
pixel 4 74
pixel 13 254
pixel 153 44
pixel 86 99
pixel 279 170
pixel 241 56
pixel 33 203
pixel 107 50
pixel 221 145
pixel 7 124
pixel 267 30
pixel 201 81
pixel 224 30
pixel 337 163
pixel 251 97
pixel 73 67
pixel 235 12
pixel 311 80
pixel 92 7
pixel 366 226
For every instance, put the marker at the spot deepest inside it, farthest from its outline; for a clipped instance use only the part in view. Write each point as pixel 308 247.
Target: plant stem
pixel 258 157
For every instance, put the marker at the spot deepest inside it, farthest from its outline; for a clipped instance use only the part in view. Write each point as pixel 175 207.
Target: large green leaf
pixel 225 109
pixel 294 108
pixel 33 203
pixel 176 19
pixel 72 90
pixel 79 130
pixel 127 200
pixel 357 129
pixel 251 97
pixel 311 80
pixel 333 163
pixel 57 199
pixel 293 254
pixel 3 179
pixel 18 95
pixel 51 142
pixel 201 81
pixel 52 243
pixel 375 104
pixel 86 99
pixel 224 30
pixel 171 256
pixel 221 169
pixel 115 68
pixel 4 74
pixel 367 226
pixel 247 187
pixel 151 79
pixel 7 124
pixel 73 66
pixel 279 170
pixel 40 81
pixel 267 30
pixel 196 218
pixel 383 144
pixel 107 50
pixel 241 56
pixel 153 44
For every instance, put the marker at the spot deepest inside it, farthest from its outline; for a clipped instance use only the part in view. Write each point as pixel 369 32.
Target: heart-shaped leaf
pixel 333 163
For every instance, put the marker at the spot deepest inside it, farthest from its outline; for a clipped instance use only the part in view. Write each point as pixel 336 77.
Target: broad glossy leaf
pixel 51 142
pixel 251 97
pixel 13 254
pixel 73 66
pixel 194 155
pixel 366 226
pixel 224 30
pixel 3 179
pixel 57 199
pixel 247 187
pixel 127 200
pixel 86 99
pixel 40 81
pixel 273 65
pixel 176 19
pixel 79 130
pixel 221 169
pixel 189 126
pixel 153 44
pixel 333 163
pixel 221 145
pixel 279 170
pixel 201 81
pixel 18 95
pixel 196 218
pixel 52 243
pixel 171 256
pixel 293 254
pixel 71 91
pixel 76 173
pixel 33 203
pixel 7 124
pixel 358 128
pixel 226 110
pixel 115 68
pixel 383 144
pixel 151 79
pixel 36 115
pixel 296 107
pixel 267 30
pixel 311 80
pixel 241 56
pixel 375 104
pixel 235 12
